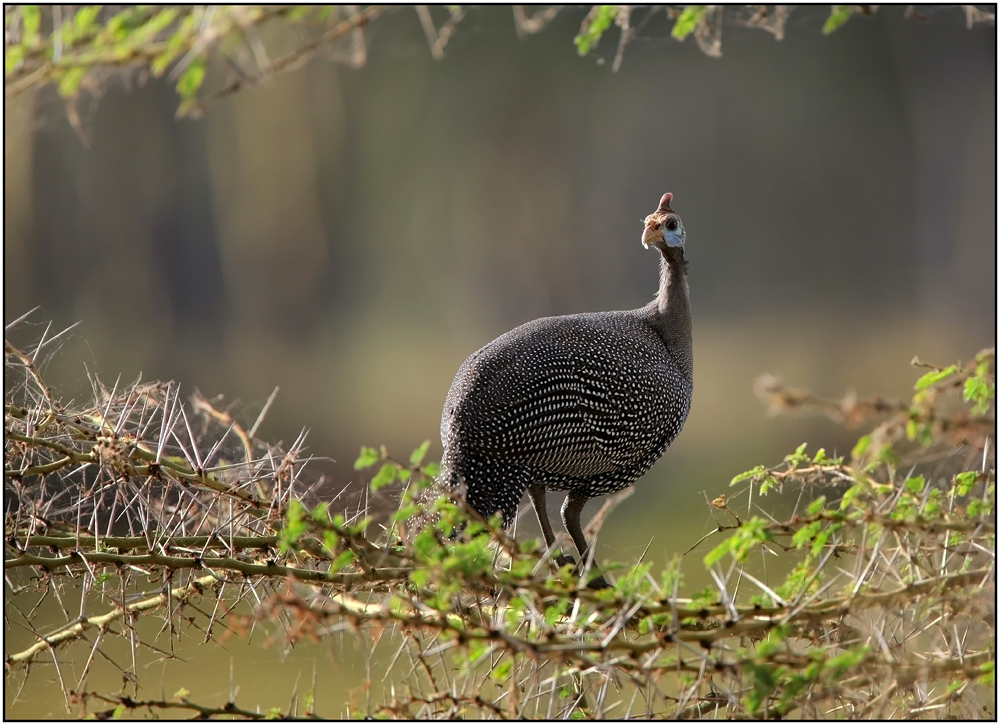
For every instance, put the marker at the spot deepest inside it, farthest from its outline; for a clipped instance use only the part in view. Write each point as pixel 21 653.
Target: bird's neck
pixel 672 316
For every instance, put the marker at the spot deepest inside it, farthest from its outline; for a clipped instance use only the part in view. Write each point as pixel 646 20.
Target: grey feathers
pixel 583 402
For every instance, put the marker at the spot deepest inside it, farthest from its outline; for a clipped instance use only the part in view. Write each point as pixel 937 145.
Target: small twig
pixel 536 23
pixel 622 21
pixel 289 60
pixel 438 39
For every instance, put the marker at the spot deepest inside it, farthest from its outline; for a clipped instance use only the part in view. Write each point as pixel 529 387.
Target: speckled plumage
pixel 581 403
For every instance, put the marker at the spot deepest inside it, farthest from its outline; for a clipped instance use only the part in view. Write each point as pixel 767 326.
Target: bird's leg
pixel 571 510
pixel 536 492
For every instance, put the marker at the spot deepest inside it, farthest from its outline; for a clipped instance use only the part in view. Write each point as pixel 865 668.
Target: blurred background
pixel 351 236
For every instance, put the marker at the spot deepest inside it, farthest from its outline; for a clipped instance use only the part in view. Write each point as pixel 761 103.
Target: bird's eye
pixel 671 224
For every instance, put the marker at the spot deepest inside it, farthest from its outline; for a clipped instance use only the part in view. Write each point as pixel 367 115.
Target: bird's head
pixel 663 228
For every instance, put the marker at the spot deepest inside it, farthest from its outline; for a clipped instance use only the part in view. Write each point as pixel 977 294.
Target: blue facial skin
pixel 673 238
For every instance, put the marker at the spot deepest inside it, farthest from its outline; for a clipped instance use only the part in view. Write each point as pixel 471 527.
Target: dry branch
pixel 138 485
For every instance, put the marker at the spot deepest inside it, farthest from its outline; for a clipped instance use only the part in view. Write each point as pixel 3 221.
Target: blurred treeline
pixel 352 235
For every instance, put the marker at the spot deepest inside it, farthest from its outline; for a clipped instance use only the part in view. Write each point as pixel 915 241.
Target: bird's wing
pixel 557 408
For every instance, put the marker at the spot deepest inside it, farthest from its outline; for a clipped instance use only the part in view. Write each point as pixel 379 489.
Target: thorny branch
pixel 886 611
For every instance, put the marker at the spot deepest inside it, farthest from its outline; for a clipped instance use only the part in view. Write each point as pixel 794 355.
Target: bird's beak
pixel 651 235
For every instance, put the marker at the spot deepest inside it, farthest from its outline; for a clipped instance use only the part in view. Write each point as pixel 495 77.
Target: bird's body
pixel 582 403
pixel 539 400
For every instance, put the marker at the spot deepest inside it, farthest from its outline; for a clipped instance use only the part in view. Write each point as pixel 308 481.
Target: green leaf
pixel 671 577
pixel 764 684
pixel 989 674
pixel 161 62
pixel 589 36
pixel 102 578
pixel 770 646
pixel 120 26
pixel 964 482
pixel 13 56
pixel 629 583
pixel 325 11
pixel 426 545
pixel 769 483
pixel 31 17
pixel 360 526
pixel 741 543
pixel 118 713
pixel 816 506
pixel 850 494
pixel 839 15
pixel 979 391
pixel 752 473
pixel 806 534
pixel 155 25
pixel 529 546
pixel 294 525
pixel 861 447
pixel 385 476
pixel 345 558
pixel 85 17
pixel 820 541
pixel 934 376
pixel 916 484
pixel 418 455
pixel 191 79
pixel 175 46
pixel 420 577
pixel 799 457
pixel 846 660
pixel 330 540
pixel 431 470
pixel 514 610
pixel 502 671
pixel 887 454
pixel 688 21
pixel 367 457
pixel 553 613
pixel 521 569
pixel 718 552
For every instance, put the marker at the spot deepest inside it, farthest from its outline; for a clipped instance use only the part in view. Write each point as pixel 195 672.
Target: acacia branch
pixel 204 712
pixel 246 568
pixel 78 629
pixel 285 62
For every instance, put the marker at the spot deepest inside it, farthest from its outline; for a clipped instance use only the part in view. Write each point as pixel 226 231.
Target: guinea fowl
pixel 581 403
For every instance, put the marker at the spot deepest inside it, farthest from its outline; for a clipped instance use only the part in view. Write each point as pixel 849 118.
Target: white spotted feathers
pixel 584 403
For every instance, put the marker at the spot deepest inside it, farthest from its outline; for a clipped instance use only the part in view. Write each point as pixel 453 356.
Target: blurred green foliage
pixel 839 15
pixel 688 20
pixel 76 47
